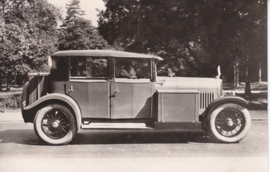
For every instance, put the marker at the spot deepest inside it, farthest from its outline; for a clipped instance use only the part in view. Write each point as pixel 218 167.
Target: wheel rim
pixel 55 124
pixel 230 122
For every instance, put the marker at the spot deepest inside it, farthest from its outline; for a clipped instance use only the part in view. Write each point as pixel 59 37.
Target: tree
pixel 77 33
pixel 254 40
pixel 28 36
pixel 193 37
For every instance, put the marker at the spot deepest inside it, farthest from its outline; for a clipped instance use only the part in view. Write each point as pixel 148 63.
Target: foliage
pixel 77 33
pixel 193 36
pixel 27 35
pixel 11 102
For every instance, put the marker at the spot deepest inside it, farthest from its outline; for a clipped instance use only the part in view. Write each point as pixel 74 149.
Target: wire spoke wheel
pixel 229 123
pixel 55 124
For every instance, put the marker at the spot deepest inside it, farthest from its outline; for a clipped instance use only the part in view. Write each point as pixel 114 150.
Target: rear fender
pixel 59 97
pixel 220 101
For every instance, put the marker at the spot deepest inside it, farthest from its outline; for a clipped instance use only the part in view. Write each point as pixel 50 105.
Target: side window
pixel 59 70
pixel 88 67
pixel 78 66
pixel 132 68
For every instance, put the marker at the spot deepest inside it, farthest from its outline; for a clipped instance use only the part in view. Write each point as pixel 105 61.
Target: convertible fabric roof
pixel 104 53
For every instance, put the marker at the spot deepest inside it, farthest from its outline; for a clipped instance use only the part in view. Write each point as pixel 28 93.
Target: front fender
pixel 220 101
pixel 59 97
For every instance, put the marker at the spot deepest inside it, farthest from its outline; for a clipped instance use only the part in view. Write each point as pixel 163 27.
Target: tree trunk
pixel 8 86
pixel 236 73
pixel 260 72
pixel 1 84
pixel 247 88
pixel 247 76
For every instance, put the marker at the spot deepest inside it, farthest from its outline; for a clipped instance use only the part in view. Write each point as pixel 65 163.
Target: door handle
pixel 71 89
pixel 115 91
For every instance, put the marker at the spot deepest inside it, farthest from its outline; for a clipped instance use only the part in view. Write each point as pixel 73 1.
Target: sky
pixel 89 6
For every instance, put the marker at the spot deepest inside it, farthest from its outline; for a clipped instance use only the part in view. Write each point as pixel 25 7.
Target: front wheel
pixel 229 123
pixel 55 124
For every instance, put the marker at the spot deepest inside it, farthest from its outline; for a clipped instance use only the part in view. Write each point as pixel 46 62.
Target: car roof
pixel 104 53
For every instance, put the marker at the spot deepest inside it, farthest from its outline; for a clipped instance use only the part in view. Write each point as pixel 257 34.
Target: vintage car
pixel 117 90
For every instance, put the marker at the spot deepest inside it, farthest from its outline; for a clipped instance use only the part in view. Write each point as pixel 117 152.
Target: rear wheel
pixel 55 124
pixel 229 123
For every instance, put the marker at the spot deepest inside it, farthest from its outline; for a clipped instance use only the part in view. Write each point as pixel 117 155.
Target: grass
pixel 256 100
pixel 11 102
pixel 258 86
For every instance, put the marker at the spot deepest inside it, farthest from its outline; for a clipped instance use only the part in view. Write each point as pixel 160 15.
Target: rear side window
pixel 59 69
pixel 88 67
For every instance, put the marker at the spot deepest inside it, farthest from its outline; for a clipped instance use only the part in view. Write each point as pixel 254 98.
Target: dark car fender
pixel 59 98
pixel 220 101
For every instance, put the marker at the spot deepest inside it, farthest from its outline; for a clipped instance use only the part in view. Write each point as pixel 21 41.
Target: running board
pixel 115 126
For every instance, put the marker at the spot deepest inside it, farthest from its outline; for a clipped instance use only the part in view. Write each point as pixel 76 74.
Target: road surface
pixel 21 150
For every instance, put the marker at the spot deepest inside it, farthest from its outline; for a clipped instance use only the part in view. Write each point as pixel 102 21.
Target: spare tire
pixel 24 97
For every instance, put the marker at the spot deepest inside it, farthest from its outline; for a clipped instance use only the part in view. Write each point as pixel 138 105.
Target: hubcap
pixel 55 124
pixel 229 122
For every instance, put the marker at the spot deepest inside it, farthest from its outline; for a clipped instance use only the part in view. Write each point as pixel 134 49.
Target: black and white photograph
pixel 134 85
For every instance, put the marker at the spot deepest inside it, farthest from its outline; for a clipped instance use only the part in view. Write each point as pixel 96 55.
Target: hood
pixel 187 83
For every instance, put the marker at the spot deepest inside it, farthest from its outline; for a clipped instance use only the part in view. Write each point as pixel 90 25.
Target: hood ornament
pixel 219 73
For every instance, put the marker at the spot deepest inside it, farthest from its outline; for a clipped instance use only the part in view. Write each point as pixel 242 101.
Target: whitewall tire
pixel 55 124
pixel 229 123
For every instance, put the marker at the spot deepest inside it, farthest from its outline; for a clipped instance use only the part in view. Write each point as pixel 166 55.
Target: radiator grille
pixel 206 99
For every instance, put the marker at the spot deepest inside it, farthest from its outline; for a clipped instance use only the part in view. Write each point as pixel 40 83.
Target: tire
pixel 24 97
pixel 229 123
pixel 55 124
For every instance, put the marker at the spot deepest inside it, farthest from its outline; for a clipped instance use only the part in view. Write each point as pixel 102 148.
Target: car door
pixel 132 89
pixel 89 86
